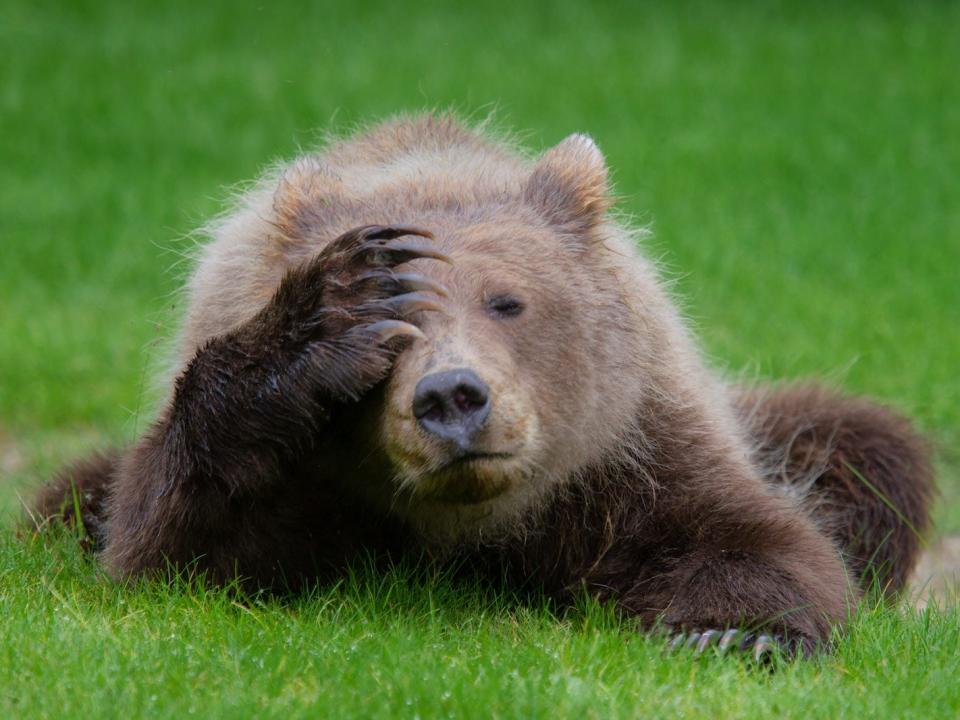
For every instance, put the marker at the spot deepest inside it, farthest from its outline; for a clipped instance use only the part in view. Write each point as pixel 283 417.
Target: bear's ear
pixel 569 184
pixel 305 189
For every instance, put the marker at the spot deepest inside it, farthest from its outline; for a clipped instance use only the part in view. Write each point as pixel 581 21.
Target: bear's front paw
pixel 341 312
pixel 353 282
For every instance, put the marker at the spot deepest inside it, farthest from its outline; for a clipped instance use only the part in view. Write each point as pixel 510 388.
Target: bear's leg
pixel 215 481
pixel 861 470
pixel 753 574
pixel 708 547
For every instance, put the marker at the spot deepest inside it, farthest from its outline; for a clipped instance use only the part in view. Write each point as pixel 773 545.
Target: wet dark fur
pixel 241 475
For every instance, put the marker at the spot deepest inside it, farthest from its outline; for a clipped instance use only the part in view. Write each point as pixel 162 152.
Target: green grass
pixel 799 163
pixel 411 645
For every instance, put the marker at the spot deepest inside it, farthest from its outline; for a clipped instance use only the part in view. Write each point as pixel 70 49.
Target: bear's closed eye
pixel 505 306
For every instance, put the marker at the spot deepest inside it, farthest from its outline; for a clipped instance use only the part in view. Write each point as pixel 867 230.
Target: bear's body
pixel 493 371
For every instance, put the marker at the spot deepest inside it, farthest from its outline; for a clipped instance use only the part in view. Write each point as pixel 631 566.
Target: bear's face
pixel 480 407
pixel 509 394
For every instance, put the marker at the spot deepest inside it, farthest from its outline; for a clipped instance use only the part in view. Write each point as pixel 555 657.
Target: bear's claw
pixel 409 303
pixel 382 232
pixel 386 330
pixel 406 281
pixel 358 283
pixel 400 251
pixel 760 646
pixel 382 246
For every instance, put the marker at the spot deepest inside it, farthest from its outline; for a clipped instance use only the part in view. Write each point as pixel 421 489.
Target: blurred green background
pixel 798 163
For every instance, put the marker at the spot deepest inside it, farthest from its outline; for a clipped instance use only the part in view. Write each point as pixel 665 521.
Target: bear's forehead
pixel 505 235
pixel 505 247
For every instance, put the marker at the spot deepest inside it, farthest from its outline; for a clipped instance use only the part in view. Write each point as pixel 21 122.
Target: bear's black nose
pixel 452 405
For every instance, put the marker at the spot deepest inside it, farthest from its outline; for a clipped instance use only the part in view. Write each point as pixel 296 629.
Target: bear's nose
pixel 452 405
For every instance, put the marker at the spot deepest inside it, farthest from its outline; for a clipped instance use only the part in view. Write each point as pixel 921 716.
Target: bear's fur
pixel 611 460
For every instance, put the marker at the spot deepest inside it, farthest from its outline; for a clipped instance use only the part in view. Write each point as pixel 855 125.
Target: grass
pixel 415 646
pixel 799 164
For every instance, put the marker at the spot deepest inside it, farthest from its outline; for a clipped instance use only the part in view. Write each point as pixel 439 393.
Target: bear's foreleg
pixel 740 558
pixel 214 480
pixel 714 549
pixel 754 584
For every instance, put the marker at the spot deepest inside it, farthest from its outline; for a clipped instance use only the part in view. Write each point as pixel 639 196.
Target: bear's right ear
pixel 305 189
pixel 569 184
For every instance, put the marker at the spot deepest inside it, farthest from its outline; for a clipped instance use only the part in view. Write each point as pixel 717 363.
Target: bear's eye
pixel 504 306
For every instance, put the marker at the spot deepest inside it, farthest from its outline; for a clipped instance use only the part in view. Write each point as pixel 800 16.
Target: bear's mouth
pixel 468 478
pixel 469 458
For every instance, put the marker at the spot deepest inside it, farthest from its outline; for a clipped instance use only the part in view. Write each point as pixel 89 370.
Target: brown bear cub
pixel 421 340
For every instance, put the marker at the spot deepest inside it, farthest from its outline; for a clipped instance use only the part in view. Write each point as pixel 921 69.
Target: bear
pixel 423 341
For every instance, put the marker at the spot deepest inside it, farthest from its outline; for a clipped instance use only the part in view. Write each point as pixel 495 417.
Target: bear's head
pixel 533 373
pixel 528 375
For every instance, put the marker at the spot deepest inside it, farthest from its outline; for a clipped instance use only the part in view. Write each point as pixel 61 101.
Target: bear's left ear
pixel 569 184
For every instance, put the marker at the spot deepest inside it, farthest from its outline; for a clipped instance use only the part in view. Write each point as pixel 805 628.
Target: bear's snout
pixel 452 405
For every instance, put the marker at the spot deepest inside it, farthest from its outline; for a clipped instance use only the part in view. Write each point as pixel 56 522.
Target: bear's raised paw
pixel 337 314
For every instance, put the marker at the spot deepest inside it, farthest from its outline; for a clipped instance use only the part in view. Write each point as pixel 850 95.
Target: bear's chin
pixel 467 481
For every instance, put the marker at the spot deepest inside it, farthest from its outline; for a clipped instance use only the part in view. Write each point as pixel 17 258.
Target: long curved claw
pixel 416 281
pixel 764 647
pixel 731 638
pixel 386 232
pixel 707 639
pixel 385 330
pixel 398 252
pixel 409 303
pixel 408 281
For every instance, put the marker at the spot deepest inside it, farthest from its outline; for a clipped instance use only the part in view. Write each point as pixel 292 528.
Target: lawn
pixel 799 164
